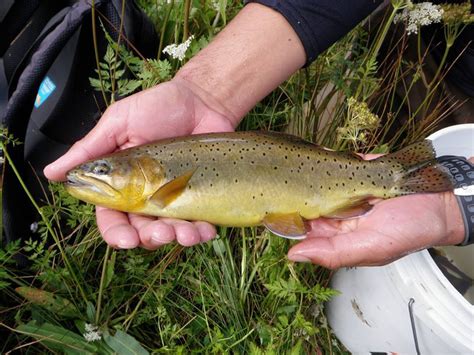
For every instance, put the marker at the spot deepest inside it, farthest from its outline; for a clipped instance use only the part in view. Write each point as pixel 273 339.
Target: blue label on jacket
pixel 46 88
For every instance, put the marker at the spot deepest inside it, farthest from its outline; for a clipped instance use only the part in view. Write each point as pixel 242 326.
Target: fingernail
pixel 299 258
pixel 125 244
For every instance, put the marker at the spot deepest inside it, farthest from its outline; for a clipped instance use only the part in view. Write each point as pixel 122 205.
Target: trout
pixel 252 178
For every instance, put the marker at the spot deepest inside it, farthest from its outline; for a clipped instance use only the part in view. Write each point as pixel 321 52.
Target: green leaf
pixel 124 344
pixel 381 149
pixel 298 348
pixel 90 311
pixel 57 338
pixel 95 83
pixel 48 301
pixel 109 270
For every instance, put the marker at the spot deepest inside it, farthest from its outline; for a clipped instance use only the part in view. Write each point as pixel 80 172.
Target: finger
pixel 350 249
pixel 206 231
pixel 102 139
pixel 186 232
pixel 116 229
pixel 153 232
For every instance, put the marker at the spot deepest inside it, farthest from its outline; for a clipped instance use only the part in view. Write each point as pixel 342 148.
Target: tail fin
pixel 415 169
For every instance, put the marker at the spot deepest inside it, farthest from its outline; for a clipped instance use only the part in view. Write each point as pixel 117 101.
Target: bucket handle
pixel 413 326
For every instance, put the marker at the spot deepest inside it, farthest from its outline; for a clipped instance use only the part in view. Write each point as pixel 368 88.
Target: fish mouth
pixel 74 181
pixel 77 181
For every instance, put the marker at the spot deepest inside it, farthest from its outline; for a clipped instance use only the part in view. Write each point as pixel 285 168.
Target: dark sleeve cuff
pixel 320 23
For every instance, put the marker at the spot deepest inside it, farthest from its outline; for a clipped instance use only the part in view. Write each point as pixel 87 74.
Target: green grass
pixel 237 293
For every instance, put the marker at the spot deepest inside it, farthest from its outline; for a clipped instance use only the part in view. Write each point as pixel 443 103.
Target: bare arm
pixel 256 52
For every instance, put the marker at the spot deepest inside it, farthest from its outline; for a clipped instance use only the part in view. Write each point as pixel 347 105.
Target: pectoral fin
pixel 356 209
pixel 171 190
pixel 289 226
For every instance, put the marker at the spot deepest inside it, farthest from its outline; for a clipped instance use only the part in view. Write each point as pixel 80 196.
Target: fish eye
pixel 101 168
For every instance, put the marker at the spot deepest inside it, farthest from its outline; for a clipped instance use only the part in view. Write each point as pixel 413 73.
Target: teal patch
pixel 46 88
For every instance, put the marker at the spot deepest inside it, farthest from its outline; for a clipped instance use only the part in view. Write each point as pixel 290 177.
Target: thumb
pixel 102 139
pixel 349 249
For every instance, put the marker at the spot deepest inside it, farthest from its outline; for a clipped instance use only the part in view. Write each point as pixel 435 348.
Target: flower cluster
pixel 178 51
pixel 92 333
pixel 457 13
pixel 417 15
pixel 215 4
pixel 361 121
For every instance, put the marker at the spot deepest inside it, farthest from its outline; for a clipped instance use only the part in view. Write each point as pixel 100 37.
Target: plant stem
pixel 187 8
pixel 96 53
pixel 101 285
pixel 45 221
pixel 163 28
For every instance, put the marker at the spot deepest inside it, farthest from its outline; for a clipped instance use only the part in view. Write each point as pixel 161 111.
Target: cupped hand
pixel 174 108
pixel 392 229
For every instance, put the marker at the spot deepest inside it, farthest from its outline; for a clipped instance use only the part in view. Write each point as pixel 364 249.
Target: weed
pixel 237 293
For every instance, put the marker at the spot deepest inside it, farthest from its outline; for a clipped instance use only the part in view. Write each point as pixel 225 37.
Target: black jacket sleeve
pixel 320 23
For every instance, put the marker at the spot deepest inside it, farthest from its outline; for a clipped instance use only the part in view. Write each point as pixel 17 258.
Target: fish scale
pixel 252 178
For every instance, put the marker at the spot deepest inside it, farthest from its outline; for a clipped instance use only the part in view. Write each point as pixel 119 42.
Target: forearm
pixel 256 52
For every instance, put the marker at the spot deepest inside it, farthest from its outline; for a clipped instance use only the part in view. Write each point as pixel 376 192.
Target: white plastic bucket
pixel 373 312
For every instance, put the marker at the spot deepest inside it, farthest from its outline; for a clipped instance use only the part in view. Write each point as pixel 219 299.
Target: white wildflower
pixel 417 15
pixel 92 333
pixel 178 51
pixel 216 5
pixel 34 227
pixel 301 333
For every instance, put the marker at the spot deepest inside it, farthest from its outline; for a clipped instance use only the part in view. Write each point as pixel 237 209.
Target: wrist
pixel 254 53
pixel 205 102
pixel 455 231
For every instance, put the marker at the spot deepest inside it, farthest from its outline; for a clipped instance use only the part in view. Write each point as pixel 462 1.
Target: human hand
pixel 174 108
pixel 392 229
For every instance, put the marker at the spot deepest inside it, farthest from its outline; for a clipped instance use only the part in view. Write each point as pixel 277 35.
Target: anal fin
pixel 289 225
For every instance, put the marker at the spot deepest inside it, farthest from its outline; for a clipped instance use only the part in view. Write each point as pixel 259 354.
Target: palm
pixel 392 229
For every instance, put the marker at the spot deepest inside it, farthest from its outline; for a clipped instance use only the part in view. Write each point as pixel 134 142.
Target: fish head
pixel 119 182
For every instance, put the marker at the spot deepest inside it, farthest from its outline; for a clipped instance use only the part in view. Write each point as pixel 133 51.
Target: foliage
pixel 237 293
